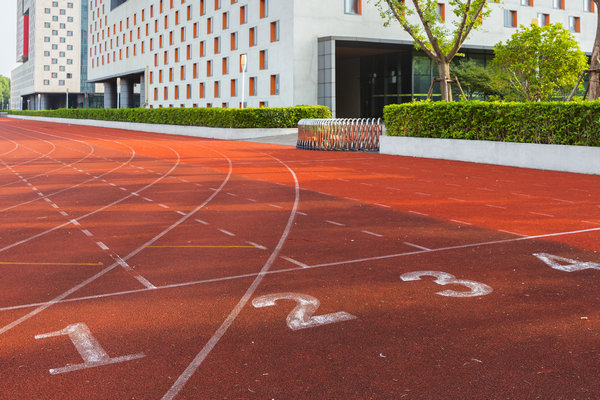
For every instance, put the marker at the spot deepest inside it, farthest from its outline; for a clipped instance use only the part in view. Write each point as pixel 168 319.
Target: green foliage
pixel 5 90
pixel 538 63
pixel 573 123
pixel 267 117
pixel 475 79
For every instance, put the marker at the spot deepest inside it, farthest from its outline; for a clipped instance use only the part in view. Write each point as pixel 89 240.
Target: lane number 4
pixel 444 278
pixel 565 264
pixel 302 316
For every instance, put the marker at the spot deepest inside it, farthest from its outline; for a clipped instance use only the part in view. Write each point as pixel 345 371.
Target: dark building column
pixel 126 91
pixel 110 94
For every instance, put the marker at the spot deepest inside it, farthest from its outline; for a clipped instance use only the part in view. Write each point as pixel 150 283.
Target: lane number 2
pixel 88 347
pixel 565 264
pixel 302 316
pixel 444 278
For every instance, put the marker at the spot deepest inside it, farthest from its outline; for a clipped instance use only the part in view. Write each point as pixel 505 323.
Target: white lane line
pixel 147 199
pixel 29 184
pixel 422 194
pixel 87 233
pixel 372 233
pixel 54 205
pixel 542 214
pixel 163 205
pixel 298 263
pixel 111 184
pixel 102 245
pixel 213 189
pixel 145 282
pixel 521 194
pixel 226 232
pixel 455 199
pixel 351 199
pixel 366 184
pixel 495 206
pixel 418 213
pixel 135 194
pixel 275 206
pixel 511 233
pixel 201 221
pixel 334 223
pixel 392 188
pixel 47 200
pixel 123 189
pixel 252 200
pixel 590 222
pixel 75 222
pixel 212 342
pixel 453 184
pixel 279 271
pixel 233 194
pixel 40 194
pixel 486 189
pixel 64 214
pixel 343 180
pixel 417 246
pixel 383 205
pixel 564 201
pixel 302 213
pixel 258 246
pixel 461 222
pixel 181 213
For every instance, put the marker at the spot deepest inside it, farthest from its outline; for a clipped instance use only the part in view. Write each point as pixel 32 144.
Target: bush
pixel 267 117
pixel 573 123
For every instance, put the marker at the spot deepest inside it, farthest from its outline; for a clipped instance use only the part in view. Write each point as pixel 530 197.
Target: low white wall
pixel 196 131
pixel 579 159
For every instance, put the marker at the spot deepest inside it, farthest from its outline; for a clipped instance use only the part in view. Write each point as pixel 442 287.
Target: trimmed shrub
pixel 267 117
pixel 573 123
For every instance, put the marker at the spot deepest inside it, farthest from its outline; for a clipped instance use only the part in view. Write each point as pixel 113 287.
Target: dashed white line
pixel 232 194
pixel 147 199
pixel 102 245
pixel 226 232
pixel 495 206
pixel 372 233
pixel 87 233
pixel 258 246
pixel 201 221
pixel 418 213
pixel 417 246
pixel 392 188
pixel 54 205
pixel 453 184
pixel 343 180
pixel 542 214
pixel 334 223
pixel 486 189
pixel 366 184
pixel 383 205
pixel 111 184
pixel 75 222
pixel 461 222
pixel 163 205
pixel 123 189
pixel 275 205
pixel 298 263
pixel 422 194
pixel 455 199
pixel 252 200
pixel 181 213
pixel 511 233
pixel 590 222
pixel 301 213
pixel 521 194
pixel 64 214
pixel 564 201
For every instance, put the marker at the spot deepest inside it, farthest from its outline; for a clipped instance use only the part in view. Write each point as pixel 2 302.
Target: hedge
pixel 573 123
pixel 266 117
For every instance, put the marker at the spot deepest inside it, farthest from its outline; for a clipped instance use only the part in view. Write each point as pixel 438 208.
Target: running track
pixel 145 266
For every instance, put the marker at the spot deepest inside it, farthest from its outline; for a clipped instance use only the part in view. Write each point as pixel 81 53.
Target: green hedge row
pixel 266 117
pixel 573 123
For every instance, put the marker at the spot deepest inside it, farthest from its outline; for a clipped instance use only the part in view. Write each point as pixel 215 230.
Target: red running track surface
pixel 146 266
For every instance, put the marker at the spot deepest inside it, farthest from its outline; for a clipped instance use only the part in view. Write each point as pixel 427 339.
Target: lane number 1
pixel 88 347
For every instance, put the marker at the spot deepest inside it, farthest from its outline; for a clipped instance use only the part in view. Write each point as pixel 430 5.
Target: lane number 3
pixel 302 316
pixel 444 278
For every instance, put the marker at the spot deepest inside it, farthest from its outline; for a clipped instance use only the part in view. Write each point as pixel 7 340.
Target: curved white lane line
pixel 62 296
pixel 212 342
pixel 11 150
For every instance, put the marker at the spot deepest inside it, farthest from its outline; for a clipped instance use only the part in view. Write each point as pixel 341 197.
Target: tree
pixel 424 24
pixel 594 88
pixel 475 79
pixel 4 90
pixel 537 62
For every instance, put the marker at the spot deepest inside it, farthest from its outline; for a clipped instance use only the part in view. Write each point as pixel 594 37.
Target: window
pixel 234 44
pixel 589 6
pixel 225 64
pixel 201 89
pixel 209 68
pixel 217 46
pixel 202 9
pixel 209 26
pixel 62 12
pixel 63 26
pixel 352 6
pixel 62 40
pixel 217 90
pixel 274 31
pixel 61 82
pixel 189 52
pixel 252 37
pixel 54 46
pixel 69 33
pixel 510 18
pixel 252 86
pixel 69 19
pixel 46 24
pixel 46 53
pixel 275 84
pixel 264 12
pixel 47 39
pixel 170 74
pixel 46 11
pixel 217 4
pixel 54 33
pixel 176 92
pixel 263 62
pixel 69 47
pixel 233 88
pixel 69 76
pixel 55 4
pixel 61 54
pixel 558 4
pixel 55 61
pixel 441 9
pixel 195 70
pixel 202 48
pixel 243 15
pixel 528 3
pixel 54 75
pixel 46 82
pixel 544 19
pixel 182 73
pixel 61 68
pixel 69 5
pixel 188 91
pixel 225 20
pixel 55 18
pixel 46 68
pixel 574 24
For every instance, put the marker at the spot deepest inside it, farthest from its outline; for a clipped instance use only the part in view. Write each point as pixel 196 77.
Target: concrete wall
pixel 579 159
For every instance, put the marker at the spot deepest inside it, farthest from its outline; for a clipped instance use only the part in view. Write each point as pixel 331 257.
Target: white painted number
pixel 444 278
pixel 88 347
pixel 301 316
pixel 565 264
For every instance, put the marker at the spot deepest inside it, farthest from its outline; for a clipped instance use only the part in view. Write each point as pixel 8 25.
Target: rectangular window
pixel 510 18
pixel 202 49
pixel 209 68
pixel 352 6
pixel 209 26
pixel 183 33
pixel 543 19
pixel 189 51
pixel 233 88
pixel 252 86
pixel 217 4
pixel 195 70
pixel 217 90
pixel 201 90
pixel 575 24
pixel 558 4
pixel 243 15
pixel 189 12
pixel 264 12
pixel 275 84
pixel 589 6
pixel 188 91
pixel 196 30
pixel 225 20
pixel 274 31
pixel 225 64
pixel 442 11
pixel 233 43
pixel 262 59
pixel 252 37
pixel 528 3
pixel 177 55
pixel 217 45
pixel 202 9
pixel 170 74
pixel 176 92
pixel 160 77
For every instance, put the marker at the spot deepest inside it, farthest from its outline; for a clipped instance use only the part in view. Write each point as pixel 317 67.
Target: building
pixel 51 45
pixel 188 53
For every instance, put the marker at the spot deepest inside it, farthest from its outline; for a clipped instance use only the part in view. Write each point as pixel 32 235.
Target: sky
pixel 8 36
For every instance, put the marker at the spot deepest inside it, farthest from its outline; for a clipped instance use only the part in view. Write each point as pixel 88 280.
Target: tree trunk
pixel 594 88
pixel 444 74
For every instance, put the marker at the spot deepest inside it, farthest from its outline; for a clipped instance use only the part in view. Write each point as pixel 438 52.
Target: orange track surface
pixel 146 266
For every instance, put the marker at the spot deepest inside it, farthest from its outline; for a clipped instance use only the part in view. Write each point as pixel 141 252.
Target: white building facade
pixel 49 46
pixel 187 53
